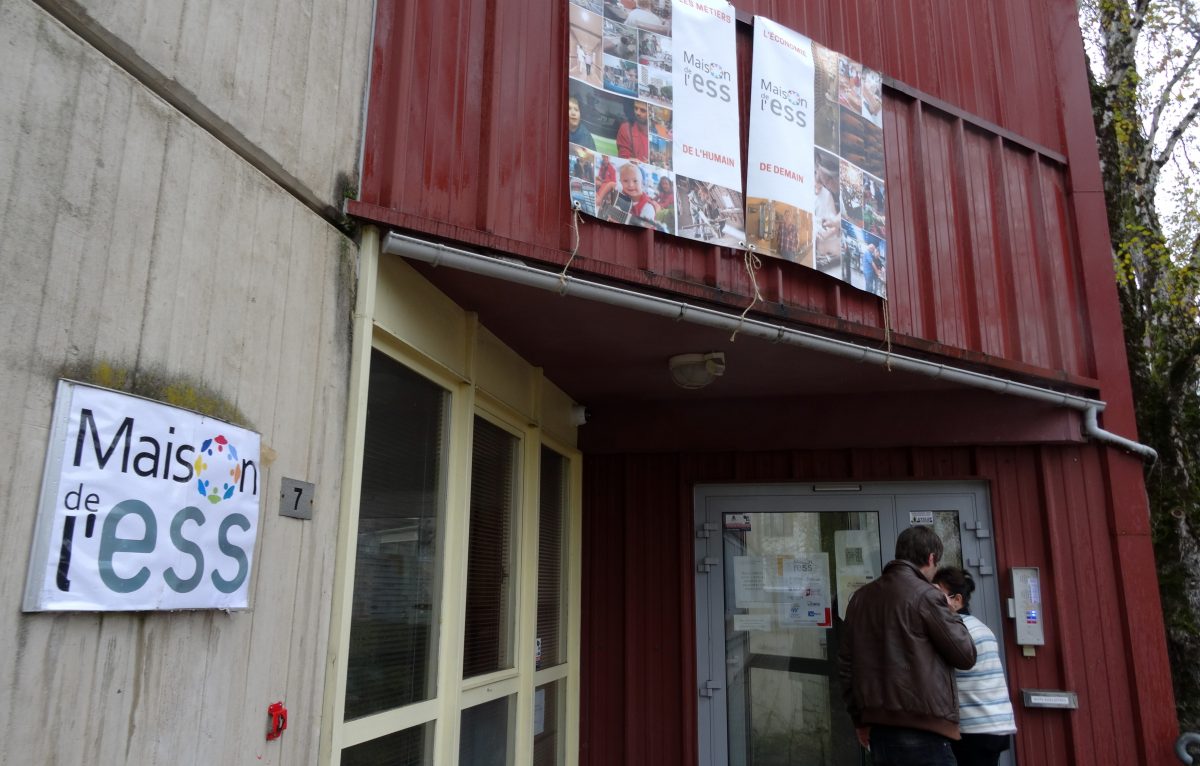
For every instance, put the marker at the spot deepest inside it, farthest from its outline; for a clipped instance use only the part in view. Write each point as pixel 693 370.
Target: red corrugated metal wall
pixel 1050 510
pixel 465 141
pixel 988 101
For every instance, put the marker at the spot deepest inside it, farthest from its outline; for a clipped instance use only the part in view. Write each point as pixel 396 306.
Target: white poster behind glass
pixel 805 580
pixel 748 581
pixel 856 560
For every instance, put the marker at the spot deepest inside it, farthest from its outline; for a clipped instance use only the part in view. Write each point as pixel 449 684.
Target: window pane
pixel 393 628
pixel 552 560
pixel 549 710
pixel 945 523
pixel 411 747
pixel 485 737
pixel 489 630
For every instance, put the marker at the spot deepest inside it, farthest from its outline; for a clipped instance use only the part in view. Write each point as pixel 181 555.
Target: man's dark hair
pixel 916 543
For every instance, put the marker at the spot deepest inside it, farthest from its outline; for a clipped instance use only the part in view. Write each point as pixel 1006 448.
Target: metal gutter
pixel 510 270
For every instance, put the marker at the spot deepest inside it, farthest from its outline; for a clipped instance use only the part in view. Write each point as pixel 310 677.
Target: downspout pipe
pixel 438 254
pixel 1092 429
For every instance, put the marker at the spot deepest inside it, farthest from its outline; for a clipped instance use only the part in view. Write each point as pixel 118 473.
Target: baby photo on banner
pixel 814 185
pixel 652 123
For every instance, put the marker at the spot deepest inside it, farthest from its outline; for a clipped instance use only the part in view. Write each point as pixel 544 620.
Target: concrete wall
pixel 139 241
pixel 283 80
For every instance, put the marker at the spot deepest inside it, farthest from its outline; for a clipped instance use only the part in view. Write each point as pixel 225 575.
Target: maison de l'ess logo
pixel 706 77
pixel 785 102
pixel 218 470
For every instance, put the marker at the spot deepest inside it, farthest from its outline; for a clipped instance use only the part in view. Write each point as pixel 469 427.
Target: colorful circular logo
pixel 793 98
pixel 717 72
pixel 218 469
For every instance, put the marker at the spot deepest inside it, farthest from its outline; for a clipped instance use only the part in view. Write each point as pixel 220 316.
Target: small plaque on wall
pixel 1052 698
pixel 296 498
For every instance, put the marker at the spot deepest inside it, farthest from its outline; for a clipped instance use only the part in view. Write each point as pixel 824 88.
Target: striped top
pixel 983 703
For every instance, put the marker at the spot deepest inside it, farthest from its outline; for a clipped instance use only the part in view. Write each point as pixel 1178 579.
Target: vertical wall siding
pixel 280 79
pixel 1049 509
pixel 133 241
pixel 982 256
pixel 465 142
pixel 603 643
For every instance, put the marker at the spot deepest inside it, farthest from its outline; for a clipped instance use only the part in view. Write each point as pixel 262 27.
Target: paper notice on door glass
pixel 856 559
pixel 748 581
pixel 539 712
pixel 780 577
pixel 847 584
pixel 806 581
pixel 748 622
pixel 807 612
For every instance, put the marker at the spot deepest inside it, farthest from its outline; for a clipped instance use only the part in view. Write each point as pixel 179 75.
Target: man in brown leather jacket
pixel 896 655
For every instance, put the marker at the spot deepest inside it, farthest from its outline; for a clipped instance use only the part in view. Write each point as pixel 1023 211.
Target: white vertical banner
pixel 707 145
pixel 814 186
pixel 780 185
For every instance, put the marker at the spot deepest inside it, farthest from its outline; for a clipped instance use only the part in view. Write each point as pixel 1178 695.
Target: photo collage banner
pixel 814 181
pixel 654 135
pixel 652 116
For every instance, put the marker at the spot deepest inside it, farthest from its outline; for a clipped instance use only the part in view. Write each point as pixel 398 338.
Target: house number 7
pixel 296 498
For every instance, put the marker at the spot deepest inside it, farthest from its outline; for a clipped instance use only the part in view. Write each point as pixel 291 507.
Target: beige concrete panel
pixel 129 237
pixel 505 376
pixel 557 417
pixel 410 308
pixel 286 78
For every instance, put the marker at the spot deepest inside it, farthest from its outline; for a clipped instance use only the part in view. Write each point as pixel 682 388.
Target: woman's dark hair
pixel 958 582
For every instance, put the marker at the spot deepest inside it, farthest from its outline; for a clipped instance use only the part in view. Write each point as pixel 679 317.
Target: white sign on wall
pixel 707 135
pixel 144 506
pixel 814 179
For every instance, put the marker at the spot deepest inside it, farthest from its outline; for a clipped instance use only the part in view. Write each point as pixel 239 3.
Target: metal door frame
pixel 890 499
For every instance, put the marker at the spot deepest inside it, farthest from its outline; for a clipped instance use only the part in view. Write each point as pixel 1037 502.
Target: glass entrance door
pixel 780 635
pixel 776 566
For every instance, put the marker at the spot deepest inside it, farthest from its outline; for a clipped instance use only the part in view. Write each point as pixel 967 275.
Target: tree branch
pixel 1165 98
pixel 1176 134
pixel 1137 14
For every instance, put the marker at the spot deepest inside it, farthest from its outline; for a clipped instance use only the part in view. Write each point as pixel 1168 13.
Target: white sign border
pixel 60 422
pixel 51 473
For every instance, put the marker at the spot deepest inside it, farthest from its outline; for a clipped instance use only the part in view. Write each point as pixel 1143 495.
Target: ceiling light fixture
pixel 696 370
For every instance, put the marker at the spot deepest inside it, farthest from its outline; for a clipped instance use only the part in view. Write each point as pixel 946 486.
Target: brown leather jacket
pixel 899 645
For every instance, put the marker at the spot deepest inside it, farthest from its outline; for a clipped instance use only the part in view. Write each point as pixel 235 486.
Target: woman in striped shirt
pixel 985 714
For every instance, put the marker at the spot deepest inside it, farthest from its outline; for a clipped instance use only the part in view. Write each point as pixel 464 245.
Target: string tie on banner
pixel 887 333
pixel 576 219
pixel 753 263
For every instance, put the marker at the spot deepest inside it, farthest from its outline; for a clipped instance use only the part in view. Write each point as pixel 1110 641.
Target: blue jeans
pixel 896 746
